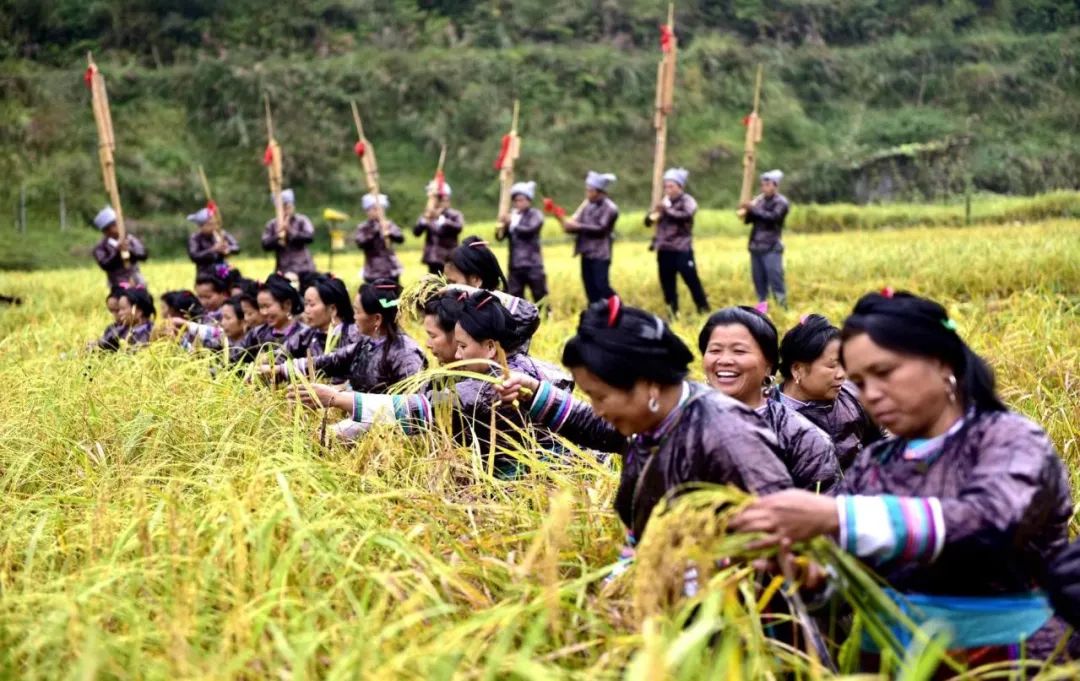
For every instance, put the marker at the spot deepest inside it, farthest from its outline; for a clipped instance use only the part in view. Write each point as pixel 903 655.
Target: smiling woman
pixel 739 354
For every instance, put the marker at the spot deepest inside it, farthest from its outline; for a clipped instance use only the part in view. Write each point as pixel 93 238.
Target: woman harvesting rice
pixel 960 511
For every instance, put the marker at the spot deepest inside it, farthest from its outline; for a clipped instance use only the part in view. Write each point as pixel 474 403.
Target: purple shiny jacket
pixel 380 261
pixel 200 248
pixel 109 259
pixel 767 215
pixel 441 235
pixel 597 231
pixel 294 255
pixel 1005 503
pixel 805 449
pixel 843 419
pixel 708 438
pixel 674 229
pixel 370 365
pixel 262 338
pixel 524 236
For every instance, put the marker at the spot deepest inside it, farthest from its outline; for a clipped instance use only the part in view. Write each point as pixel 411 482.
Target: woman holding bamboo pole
pixel 674 241
pixel 209 245
pixel 593 225
pixel 290 246
pixel 109 251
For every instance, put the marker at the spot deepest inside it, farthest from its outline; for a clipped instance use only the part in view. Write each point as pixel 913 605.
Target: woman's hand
pixel 178 322
pixel 793 515
pixel 315 395
pixel 517 387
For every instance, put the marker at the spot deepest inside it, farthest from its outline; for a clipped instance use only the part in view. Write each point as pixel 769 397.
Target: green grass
pixel 160 522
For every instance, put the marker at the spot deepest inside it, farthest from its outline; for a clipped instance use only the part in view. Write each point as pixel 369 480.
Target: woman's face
pixel 252 316
pixel 521 203
pixel 210 299
pixel 735 365
pixel 591 194
pixel 455 276
pixel 273 311
pixel 672 189
pixel 316 313
pixel 626 410
pixel 129 314
pixel 468 348
pixel 904 393
pixel 822 378
pixel 440 343
pixel 114 308
pixel 232 325
pixel 369 324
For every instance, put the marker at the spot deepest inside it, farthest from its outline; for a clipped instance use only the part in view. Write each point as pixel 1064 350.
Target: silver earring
pixel 798 380
pixel 951 389
pixel 654 404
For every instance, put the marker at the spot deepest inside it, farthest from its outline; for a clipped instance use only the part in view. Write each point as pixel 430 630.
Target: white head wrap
pixel 287 196
pixel 200 217
pixel 773 176
pixel 599 181
pixel 368 202
pixel 526 189
pixel 677 175
pixel 105 217
pixel 446 190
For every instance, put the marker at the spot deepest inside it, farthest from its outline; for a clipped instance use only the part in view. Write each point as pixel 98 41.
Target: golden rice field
pixel 158 521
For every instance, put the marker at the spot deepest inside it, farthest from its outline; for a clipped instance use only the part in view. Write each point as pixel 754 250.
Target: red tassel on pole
pixel 212 207
pixel 359 148
pixel 666 37
pixel 268 155
pixel 503 151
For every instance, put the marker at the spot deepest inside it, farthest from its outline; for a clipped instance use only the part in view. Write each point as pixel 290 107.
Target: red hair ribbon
pixel 888 292
pixel 268 155
pixel 667 38
pixel 478 244
pixel 211 207
pixel 485 301
pixel 503 151
pixel 552 208
pixel 614 305
pixel 802 319
pixel 88 77
pixel 359 148
pixel 386 287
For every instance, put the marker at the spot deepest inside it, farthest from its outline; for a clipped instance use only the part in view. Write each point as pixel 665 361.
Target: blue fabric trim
pixel 899 526
pixel 849 518
pixel 973 621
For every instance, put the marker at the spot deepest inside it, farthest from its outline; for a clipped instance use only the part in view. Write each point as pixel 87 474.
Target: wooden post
pixel 106 147
pixel 506 170
pixel 753 138
pixel 369 163
pixel 215 211
pixel 273 170
pixel 665 99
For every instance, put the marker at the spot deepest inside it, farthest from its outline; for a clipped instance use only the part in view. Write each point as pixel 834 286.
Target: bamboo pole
pixel 507 173
pixel 370 165
pixel 273 170
pixel 437 184
pixel 215 212
pixel 106 147
pixel 753 138
pixel 665 99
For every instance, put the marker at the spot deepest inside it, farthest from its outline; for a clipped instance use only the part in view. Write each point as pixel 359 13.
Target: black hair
pixel 332 291
pixel 281 289
pixel 381 297
pixel 473 258
pixel 217 283
pixel 806 342
pixel 905 323
pixel 305 279
pixel 249 287
pixel 114 293
pixel 624 345
pixel 484 318
pixel 140 298
pixel 760 327
pixel 184 302
pixel 236 303
pixel 446 309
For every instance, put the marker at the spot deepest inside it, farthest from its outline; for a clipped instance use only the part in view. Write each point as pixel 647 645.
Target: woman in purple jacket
pixel 963 508
pixel 739 353
pixel 815 385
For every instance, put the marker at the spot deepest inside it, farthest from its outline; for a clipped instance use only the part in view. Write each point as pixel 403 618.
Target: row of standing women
pixel 886 434
pixel 592 225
